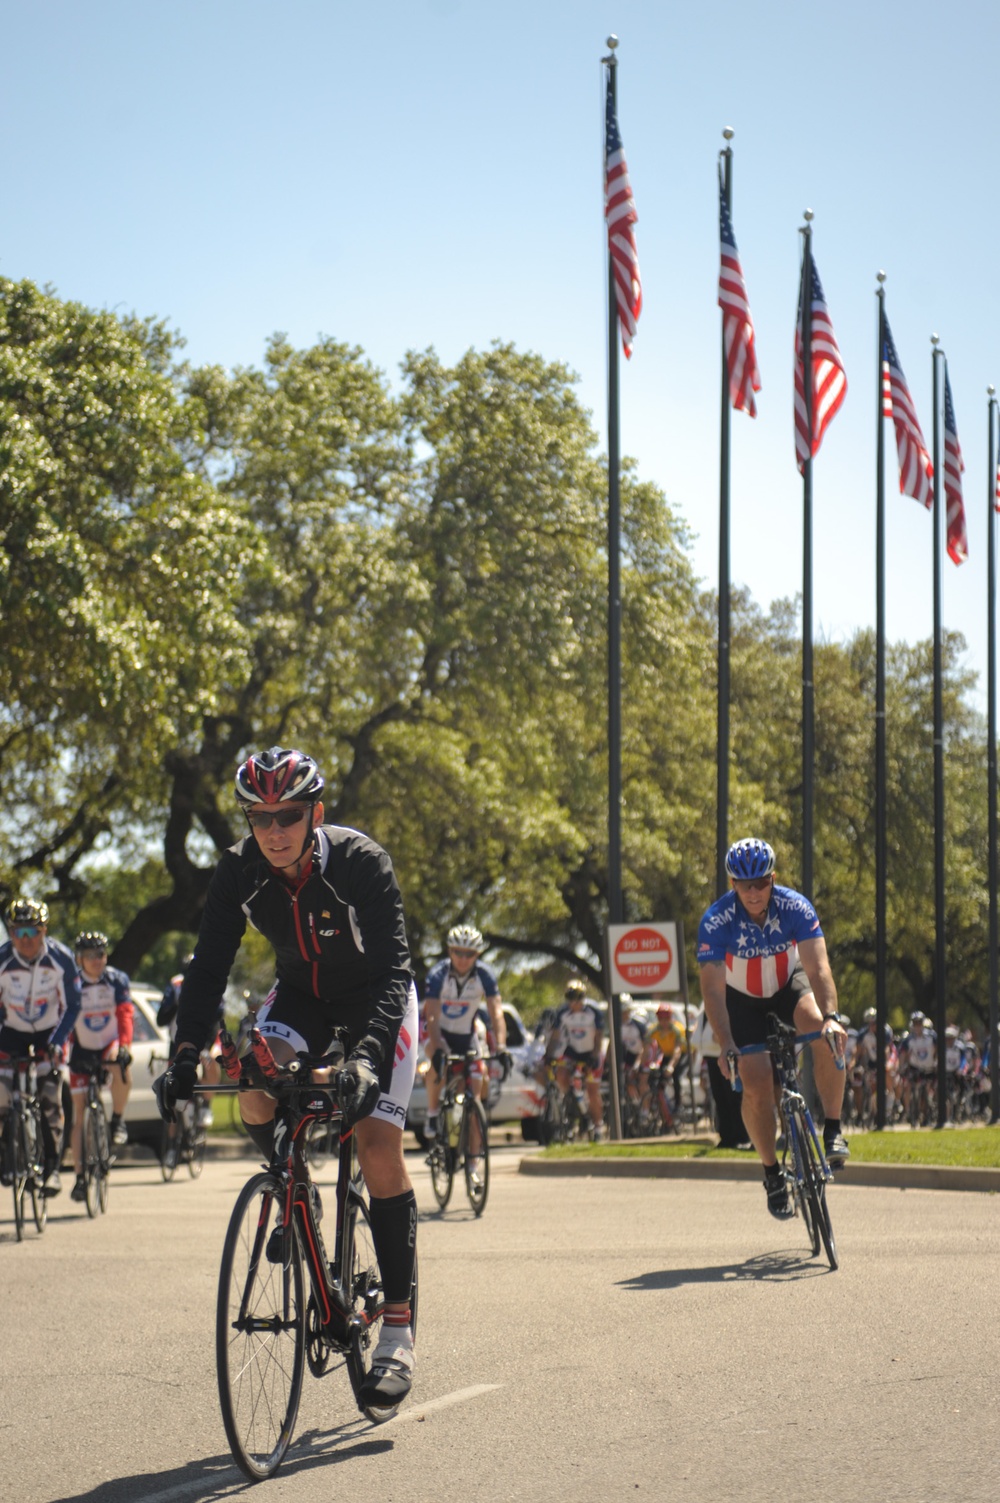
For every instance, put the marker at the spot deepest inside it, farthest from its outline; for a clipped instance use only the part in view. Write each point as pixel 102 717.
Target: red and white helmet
pixel 278 776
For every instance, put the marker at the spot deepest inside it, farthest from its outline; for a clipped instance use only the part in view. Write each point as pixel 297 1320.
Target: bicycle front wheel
pixel 260 1334
pixel 194 1148
pixel 477 1166
pixel 34 1159
pixel 103 1157
pixel 169 1141
pixel 441 1162
pixel 814 1184
pixel 366 1301
pixel 91 1160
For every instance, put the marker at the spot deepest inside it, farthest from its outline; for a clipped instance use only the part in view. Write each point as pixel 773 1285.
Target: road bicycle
pixel 95 1139
pixel 566 1115
pixel 183 1141
pixel 803 1161
pixel 22 1152
pixel 461 1123
pixel 274 1318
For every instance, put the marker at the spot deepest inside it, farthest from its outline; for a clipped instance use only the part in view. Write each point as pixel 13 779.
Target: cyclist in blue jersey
pixel 456 989
pixel 761 950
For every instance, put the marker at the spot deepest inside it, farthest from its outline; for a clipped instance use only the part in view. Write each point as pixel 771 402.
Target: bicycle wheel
pixel 365 1299
pixel 552 1127
pixel 103 1156
pixel 195 1138
pixel 260 1334
pixel 17 1168
pixel 319 1143
pixel 795 1177
pixel 169 1149
pixel 91 1160
pixel 814 1184
pixel 477 1179
pixel 34 1158
pixel 441 1161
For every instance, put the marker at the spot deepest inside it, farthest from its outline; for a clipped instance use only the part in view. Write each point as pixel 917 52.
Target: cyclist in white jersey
pixel 576 1039
pixel 456 989
pixel 103 1032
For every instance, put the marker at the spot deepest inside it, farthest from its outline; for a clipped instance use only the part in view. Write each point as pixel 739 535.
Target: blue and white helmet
pixel 748 859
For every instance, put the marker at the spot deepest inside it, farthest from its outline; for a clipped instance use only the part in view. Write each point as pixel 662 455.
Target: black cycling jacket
pixel 338 936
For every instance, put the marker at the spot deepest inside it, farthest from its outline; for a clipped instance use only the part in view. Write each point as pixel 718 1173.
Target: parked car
pixel 509 1100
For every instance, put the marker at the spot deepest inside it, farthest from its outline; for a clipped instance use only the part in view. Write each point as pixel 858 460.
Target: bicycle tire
pixel 18 1170
pixel 34 1158
pixel 441 1162
pixel 260 1334
pixel 796 1176
pixel 194 1149
pixel 168 1160
pixel 477 1187
pixel 365 1299
pixel 552 1124
pixel 103 1157
pixel 815 1189
pixel 91 1160
pixel 319 1143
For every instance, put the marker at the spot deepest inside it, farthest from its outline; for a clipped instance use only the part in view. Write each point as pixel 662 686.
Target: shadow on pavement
pixel 218 1477
pixel 766 1267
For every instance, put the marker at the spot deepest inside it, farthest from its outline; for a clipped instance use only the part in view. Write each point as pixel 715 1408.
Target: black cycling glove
pixel 439 1060
pixel 175 1084
pixel 359 1090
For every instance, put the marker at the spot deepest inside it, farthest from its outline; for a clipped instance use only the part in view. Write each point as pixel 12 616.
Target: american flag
pixel 737 324
pixel 619 211
pixel 916 468
pixel 829 383
pixel 958 542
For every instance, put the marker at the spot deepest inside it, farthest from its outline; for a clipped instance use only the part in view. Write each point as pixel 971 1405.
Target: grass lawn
pixel 972 1147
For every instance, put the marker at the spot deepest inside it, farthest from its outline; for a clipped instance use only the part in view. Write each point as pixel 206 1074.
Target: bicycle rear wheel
pixel 169 1147
pixel 441 1162
pixel 477 1173
pixel 260 1334
pixel 194 1147
pixel 34 1158
pixel 365 1300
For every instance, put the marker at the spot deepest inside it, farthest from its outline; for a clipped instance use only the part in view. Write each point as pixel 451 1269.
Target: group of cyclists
pixel 327 899
pixel 911 1073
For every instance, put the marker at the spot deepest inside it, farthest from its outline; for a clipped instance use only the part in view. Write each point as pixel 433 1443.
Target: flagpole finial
pixel 807 215
pixel 612 41
pixel 990 391
pixel 728 133
pixel 935 340
pixel 880 277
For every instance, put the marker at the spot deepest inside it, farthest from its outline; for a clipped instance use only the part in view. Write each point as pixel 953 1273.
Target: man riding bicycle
pixel 576 1039
pixel 456 989
pixel 327 899
pixel 103 1033
pixel 761 950
pixel 39 1002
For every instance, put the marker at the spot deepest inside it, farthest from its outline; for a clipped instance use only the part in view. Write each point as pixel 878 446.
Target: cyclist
pixel 327 899
pixel 103 1032
pixel 917 1058
pixel 456 989
pixel 576 1039
pixel 761 950
pixel 669 1040
pixel 39 1000
pixel 210 1069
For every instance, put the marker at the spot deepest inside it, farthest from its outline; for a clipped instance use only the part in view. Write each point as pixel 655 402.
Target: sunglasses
pixel 284 819
pixel 747 886
pixel 26 931
pixel 465 954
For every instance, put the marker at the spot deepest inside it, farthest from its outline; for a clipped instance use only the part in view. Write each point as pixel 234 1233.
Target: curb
pixel 884 1176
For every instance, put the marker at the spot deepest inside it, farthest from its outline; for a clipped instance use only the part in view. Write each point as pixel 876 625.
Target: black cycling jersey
pixel 338 936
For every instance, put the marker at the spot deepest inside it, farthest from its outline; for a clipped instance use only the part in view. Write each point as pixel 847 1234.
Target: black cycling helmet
pixel 748 859
pixel 90 939
pixel 26 911
pixel 278 776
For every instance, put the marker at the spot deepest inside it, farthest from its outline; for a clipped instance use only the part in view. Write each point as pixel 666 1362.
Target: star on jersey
pixel 773 925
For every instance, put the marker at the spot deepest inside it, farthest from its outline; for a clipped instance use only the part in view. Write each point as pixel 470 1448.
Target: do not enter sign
pixel 643 957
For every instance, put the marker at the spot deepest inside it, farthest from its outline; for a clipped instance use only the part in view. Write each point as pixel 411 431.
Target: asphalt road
pixel 584 1340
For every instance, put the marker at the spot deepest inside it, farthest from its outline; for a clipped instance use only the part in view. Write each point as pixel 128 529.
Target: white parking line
pixel 417 1412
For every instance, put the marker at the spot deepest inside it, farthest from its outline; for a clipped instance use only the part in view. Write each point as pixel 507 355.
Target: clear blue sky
pixel 404 174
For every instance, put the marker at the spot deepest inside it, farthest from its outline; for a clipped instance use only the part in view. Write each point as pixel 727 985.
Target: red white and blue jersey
pixel 759 958
pixel 41 996
pixel 105 1011
pixel 460 998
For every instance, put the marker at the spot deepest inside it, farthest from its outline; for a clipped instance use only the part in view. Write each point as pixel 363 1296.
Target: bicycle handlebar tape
pixel 266 1062
pixel 228 1055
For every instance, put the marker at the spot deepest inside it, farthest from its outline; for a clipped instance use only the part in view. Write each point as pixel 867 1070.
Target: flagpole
pixel 722 716
pixel 615 901
pixel 807 602
pixel 881 863
pixel 940 1021
pixel 991 750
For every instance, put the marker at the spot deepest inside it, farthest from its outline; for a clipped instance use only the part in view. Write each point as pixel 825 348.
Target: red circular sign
pixel 643 958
